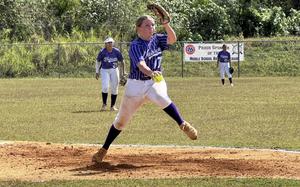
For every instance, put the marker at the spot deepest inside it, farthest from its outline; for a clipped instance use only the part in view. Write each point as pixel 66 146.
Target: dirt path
pixel 42 162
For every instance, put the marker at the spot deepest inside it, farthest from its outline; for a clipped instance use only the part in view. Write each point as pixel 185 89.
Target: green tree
pixel 64 12
pixel 32 20
pixel 274 22
pixel 112 17
pixel 14 21
pixel 210 21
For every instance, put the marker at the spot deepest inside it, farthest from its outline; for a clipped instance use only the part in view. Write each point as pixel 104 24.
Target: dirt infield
pixel 32 161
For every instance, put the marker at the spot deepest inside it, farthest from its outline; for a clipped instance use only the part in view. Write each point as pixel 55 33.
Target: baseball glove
pixel 231 70
pixel 123 80
pixel 160 12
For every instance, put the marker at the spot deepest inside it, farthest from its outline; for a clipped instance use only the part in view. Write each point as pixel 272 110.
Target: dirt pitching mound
pixel 44 161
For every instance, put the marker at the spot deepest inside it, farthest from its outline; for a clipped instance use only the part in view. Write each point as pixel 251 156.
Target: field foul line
pixel 172 146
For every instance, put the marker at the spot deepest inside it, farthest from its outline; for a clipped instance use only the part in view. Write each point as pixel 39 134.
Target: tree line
pixel 48 20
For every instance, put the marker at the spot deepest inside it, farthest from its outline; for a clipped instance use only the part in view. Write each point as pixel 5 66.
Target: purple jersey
pixel 224 56
pixel 148 51
pixel 109 59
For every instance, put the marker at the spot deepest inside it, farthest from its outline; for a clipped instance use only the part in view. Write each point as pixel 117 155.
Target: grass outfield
pixel 256 112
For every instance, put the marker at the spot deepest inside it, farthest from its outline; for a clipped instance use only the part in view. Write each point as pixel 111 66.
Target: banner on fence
pixel 195 52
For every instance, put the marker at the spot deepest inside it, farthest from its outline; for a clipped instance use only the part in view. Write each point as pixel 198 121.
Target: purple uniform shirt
pixel 109 59
pixel 148 51
pixel 224 56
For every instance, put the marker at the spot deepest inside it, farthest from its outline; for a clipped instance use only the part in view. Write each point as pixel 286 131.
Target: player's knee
pixel 104 89
pixel 114 91
pixel 119 125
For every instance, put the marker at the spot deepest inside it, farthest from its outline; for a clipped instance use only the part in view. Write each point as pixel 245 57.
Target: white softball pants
pixel 110 77
pixel 137 93
pixel 224 67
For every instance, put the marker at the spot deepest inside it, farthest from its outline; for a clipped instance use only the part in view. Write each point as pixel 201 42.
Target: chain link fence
pixel 262 58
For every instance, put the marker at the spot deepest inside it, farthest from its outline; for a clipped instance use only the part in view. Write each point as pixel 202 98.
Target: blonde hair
pixel 140 20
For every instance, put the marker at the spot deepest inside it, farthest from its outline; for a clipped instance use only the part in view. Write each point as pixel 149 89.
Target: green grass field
pixel 256 112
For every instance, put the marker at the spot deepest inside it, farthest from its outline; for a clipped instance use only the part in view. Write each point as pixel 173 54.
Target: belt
pixel 145 78
pixel 141 79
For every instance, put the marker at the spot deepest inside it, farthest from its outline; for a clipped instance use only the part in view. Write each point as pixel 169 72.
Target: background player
pixel 107 64
pixel 224 63
pixel 145 64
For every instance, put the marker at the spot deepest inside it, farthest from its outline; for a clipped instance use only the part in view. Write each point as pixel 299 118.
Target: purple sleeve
pixel 100 56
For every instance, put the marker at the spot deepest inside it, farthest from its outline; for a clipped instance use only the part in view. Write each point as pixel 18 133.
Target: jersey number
pixel 157 62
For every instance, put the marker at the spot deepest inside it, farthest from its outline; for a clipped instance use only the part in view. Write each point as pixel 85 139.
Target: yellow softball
pixel 158 78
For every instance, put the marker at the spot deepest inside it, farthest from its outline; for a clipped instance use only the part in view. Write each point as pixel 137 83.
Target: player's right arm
pixel 122 63
pixel 98 64
pixel 146 70
pixel 98 67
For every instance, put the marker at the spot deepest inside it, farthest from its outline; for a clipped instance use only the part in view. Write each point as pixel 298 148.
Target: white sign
pixel 195 52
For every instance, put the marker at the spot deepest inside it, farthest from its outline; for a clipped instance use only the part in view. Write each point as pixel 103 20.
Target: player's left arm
pixel 165 19
pixel 172 38
pixel 122 64
pixel 229 59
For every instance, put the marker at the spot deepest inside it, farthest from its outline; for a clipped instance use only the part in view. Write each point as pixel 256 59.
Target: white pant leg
pixel 114 81
pixel 133 98
pixel 128 107
pixel 158 94
pixel 224 67
pixel 105 78
pixel 227 70
pixel 136 94
pixel 222 71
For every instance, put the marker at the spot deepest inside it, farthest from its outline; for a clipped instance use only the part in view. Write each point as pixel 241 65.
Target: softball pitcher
pixel 224 63
pixel 145 82
pixel 107 64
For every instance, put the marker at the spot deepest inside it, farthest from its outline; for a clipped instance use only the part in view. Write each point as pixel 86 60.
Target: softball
pixel 158 78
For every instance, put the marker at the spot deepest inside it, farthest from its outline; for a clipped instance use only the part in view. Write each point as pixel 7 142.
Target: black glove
pixel 231 70
pixel 123 80
pixel 160 12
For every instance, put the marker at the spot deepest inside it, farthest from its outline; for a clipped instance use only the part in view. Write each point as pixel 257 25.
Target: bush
pixel 294 22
